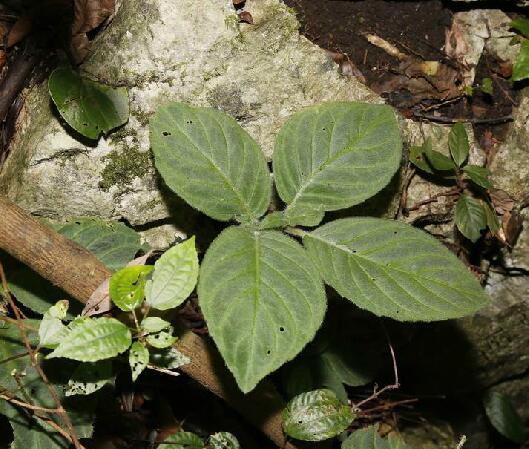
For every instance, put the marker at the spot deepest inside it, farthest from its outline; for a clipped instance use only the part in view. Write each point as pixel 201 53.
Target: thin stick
pixel 35 363
pixel 474 121
pixel 14 400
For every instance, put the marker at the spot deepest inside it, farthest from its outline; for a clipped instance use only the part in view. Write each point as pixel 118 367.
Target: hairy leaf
pixel 175 276
pixel 211 162
pixel 223 440
pixel 154 324
pixel 458 144
pixel 520 69
pixel 335 155
pixel 504 417
pixel 127 286
pixel 522 25
pixel 94 339
pixel 138 359
pixel 51 327
pixel 89 378
pixel 316 415
pixel 183 440
pixel 394 270
pixel 262 298
pixel 480 175
pixel 162 339
pixel 470 217
pixel 368 438
pixel 89 107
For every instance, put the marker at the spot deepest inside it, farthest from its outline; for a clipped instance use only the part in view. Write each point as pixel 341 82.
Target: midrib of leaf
pixel 330 160
pixel 224 177
pixel 384 269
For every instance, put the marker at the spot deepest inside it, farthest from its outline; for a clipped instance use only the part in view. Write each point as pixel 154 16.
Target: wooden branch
pixel 78 272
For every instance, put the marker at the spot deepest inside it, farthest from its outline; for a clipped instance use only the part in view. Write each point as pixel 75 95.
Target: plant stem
pixel 296 232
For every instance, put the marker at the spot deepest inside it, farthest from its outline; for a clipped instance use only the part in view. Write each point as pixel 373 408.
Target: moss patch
pixel 123 166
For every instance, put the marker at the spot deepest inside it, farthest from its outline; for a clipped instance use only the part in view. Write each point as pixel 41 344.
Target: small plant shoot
pixel 261 281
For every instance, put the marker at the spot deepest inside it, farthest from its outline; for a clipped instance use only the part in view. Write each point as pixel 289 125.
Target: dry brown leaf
pixel 19 31
pixel 511 227
pixel 501 200
pixel 245 17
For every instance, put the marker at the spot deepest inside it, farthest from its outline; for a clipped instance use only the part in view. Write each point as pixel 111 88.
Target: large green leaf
pixel 394 270
pixel 127 286
pixel 470 217
pixel 94 339
pixel 89 107
pixel 51 327
pixel 175 276
pixel 113 243
pixel 211 162
pixel 458 144
pixel 89 378
pixel 316 415
pixel 335 155
pixel 521 24
pixel 480 175
pixel 504 417
pixel 368 438
pixel 262 298
pixel 183 440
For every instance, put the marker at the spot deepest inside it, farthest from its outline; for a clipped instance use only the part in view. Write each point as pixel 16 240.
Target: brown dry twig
pixel 36 365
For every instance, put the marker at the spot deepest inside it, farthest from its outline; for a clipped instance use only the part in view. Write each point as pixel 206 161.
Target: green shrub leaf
pixel 162 339
pixel 211 162
pixel 493 222
pixel 316 415
pixel 93 339
pixel 479 175
pixel 470 217
pixel 51 327
pixel 138 359
pixel 504 417
pixel 368 438
pixel 418 156
pixel 520 69
pixel 394 270
pixel 127 286
pixel 262 298
pixel 89 377
pixel 335 155
pixel 458 144
pixel 223 440
pixel 174 278
pixel 183 440
pixel 169 358
pixel 522 25
pixel 438 161
pixel 154 324
pixel 89 107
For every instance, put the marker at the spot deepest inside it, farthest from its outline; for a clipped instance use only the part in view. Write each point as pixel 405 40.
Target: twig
pixel 163 370
pixel 23 404
pixel 433 199
pixel 474 121
pixel 394 386
pixel 36 365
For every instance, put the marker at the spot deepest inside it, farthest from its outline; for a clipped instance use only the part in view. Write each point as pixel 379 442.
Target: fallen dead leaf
pixel 245 17
pixel 19 31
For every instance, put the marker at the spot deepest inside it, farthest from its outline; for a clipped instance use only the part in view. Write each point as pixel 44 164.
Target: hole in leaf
pixel 189 122
pixel 268 352
pixel 166 133
pixel 395 232
pixel 300 422
pixel 281 329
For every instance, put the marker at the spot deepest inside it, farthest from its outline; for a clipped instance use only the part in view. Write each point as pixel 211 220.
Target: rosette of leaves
pixel 260 290
pixel 474 211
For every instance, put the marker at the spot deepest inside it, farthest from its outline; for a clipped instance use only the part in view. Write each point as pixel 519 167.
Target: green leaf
pixel 368 438
pixel 458 144
pixel 418 156
pixel 154 324
pixel 127 286
pixel 493 223
pixel 479 175
pixel 470 217
pixel 89 377
pixel 487 87
pixel 316 415
pixel 438 161
pixel 183 440
pixel 520 69
pixel 262 298
pixel 223 440
pixel 211 162
pixel 175 276
pixel 504 417
pixel 94 339
pixel 522 25
pixel 162 339
pixel 335 155
pixel 394 270
pixel 138 359
pixel 89 107
pixel 169 358
pixel 51 326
